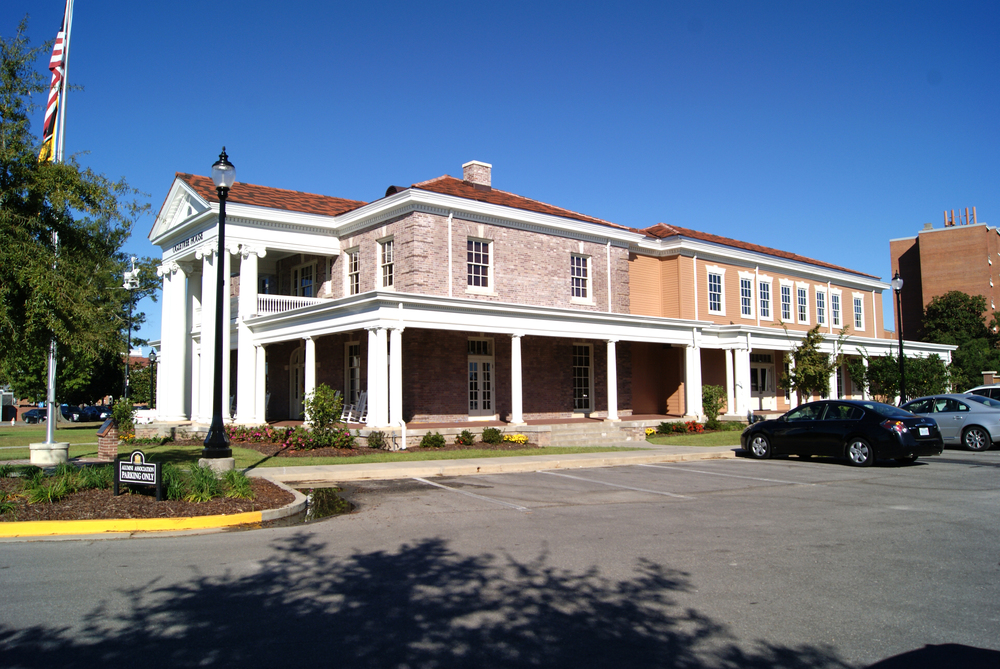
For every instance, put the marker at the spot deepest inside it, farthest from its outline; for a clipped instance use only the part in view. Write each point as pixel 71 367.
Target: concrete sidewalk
pixel 331 474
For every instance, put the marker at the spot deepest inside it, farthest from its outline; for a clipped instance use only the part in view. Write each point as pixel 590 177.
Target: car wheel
pixel 976 438
pixel 760 447
pixel 907 459
pixel 860 453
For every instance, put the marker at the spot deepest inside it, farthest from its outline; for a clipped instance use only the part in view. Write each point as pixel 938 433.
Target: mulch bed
pixel 102 504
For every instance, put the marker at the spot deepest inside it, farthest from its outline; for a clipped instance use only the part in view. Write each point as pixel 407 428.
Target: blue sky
pixel 824 129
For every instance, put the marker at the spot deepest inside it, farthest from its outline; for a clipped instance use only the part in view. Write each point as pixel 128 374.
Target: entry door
pixel 481 387
pixel 296 384
pixel 762 395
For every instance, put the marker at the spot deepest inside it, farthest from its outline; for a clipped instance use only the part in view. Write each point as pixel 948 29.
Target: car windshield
pixel 886 410
pixel 988 401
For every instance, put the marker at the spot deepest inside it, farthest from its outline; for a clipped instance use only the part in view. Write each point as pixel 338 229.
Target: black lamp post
pixel 152 378
pixel 131 283
pixel 217 441
pixel 897 286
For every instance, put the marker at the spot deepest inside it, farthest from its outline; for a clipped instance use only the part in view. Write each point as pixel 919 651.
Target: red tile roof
pixel 274 198
pixel 448 185
pixel 663 231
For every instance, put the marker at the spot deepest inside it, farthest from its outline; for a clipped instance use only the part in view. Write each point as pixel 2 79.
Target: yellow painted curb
pixel 43 528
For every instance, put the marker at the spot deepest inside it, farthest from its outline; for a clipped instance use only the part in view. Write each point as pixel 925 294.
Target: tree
pixel 959 319
pixel 68 292
pixel 880 376
pixel 813 368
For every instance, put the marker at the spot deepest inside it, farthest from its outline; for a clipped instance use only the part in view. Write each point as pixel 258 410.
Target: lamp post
pixel 152 378
pixel 217 441
pixel 897 286
pixel 131 284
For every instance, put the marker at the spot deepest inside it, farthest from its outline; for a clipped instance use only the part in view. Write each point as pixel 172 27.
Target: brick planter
pixel 107 442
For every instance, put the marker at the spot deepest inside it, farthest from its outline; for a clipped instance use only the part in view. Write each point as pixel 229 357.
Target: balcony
pixel 276 304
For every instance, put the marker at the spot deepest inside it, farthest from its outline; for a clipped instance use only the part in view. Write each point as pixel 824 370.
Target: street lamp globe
pixel 896 283
pixel 223 171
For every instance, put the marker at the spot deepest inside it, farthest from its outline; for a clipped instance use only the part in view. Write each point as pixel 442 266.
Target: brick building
pixel 938 260
pixel 451 300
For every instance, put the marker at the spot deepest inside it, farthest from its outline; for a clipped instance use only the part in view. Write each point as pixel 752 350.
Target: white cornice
pixel 710 251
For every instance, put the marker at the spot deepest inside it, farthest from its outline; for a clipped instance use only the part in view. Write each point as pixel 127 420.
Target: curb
pixel 320 474
pixel 128 526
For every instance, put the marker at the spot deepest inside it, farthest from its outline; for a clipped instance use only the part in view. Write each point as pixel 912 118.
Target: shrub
pixel 465 438
pixel 672 428
pixel 694 426
pixel 99 478
pixel 432 440
pixel 516 438
pixel 492 435
pixel 376 439
pixel 323 407
pixel 174 486
pixel 712 399
pixel 300 439
pixel 237 485
pixel 123 417
pixel 205 485
pixel 7 504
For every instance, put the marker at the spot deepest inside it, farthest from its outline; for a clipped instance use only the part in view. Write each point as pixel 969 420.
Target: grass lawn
pixel 22 435
pixel 707 439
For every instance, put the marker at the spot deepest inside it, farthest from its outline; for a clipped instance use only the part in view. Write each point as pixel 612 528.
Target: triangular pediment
pixel 181 204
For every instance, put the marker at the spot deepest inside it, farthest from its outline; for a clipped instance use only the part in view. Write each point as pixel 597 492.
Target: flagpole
pixel 52 416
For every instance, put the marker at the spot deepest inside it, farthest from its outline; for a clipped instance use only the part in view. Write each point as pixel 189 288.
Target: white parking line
pixel 734 476
pixel 470 494
pixel 615 485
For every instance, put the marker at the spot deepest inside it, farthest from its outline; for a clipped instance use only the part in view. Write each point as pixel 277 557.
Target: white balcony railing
pixel 275 304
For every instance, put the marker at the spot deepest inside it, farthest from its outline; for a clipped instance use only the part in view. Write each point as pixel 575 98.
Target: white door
pixel 762 396
pixel 481 387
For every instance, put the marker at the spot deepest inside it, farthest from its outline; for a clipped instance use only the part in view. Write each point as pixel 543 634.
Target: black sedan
pixel 35 416
pixel 861 431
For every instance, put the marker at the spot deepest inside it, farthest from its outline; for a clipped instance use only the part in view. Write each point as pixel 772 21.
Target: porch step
pixel 596 434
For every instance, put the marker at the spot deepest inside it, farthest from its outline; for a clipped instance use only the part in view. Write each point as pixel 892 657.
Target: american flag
pixel 56 63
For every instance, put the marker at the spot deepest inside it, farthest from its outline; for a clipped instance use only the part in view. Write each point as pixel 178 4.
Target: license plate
pixel 924 432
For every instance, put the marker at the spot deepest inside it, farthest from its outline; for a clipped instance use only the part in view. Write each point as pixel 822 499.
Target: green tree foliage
pixel 71 291
pixel 813 368
pixel 712 400
pixel 880 378
pixel 958 319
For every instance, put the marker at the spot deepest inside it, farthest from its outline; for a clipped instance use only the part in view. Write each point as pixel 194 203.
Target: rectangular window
pixel 746 298
pixel 859 314
pixel 835 308
pixel 478 264
pixel 715 293
pixel 302 280
pixel 821 307
pixel 764 290
pixel 803 303
pixel 353 372
pixel 786 303
pixel 386 263
pixel 480 363
pixel 582 380
pixel 579 277
pixel 353 272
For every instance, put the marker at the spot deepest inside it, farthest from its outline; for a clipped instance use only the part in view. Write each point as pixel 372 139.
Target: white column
pixel 173 342
pixel 741 372
pixel 246 355
pixel 209 261
pixel 612 380
pixel 692 382
pixel 309 366
pixel 516 393
pixel 260 390
pixel 378 383
pixel 864 388
pixel 396 375
pixel 227 335
pixel 832 394
pixel 730 384
pixel 793 396
pixel 195 381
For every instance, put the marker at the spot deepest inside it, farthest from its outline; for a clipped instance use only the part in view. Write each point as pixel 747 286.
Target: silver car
pixel 962 419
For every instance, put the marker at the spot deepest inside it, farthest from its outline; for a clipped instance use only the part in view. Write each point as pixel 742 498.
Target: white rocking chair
pixel 356 413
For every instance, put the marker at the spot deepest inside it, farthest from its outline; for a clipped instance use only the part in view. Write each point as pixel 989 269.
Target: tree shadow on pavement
pixel 422 605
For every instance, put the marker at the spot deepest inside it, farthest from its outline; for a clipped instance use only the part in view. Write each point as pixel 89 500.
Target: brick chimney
pixel 476 172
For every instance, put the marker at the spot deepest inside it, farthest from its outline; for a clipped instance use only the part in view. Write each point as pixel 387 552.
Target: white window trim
pixel 347 270
pixel 854 321
pixel 748 276
pixel 721 271
pixel 492 277
pixel 803 286
pixel 826 305
pixel 761 280
pixel 785 283
pixel 296 282
pixel 378 263
pixel 838 323
pixel 589 287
